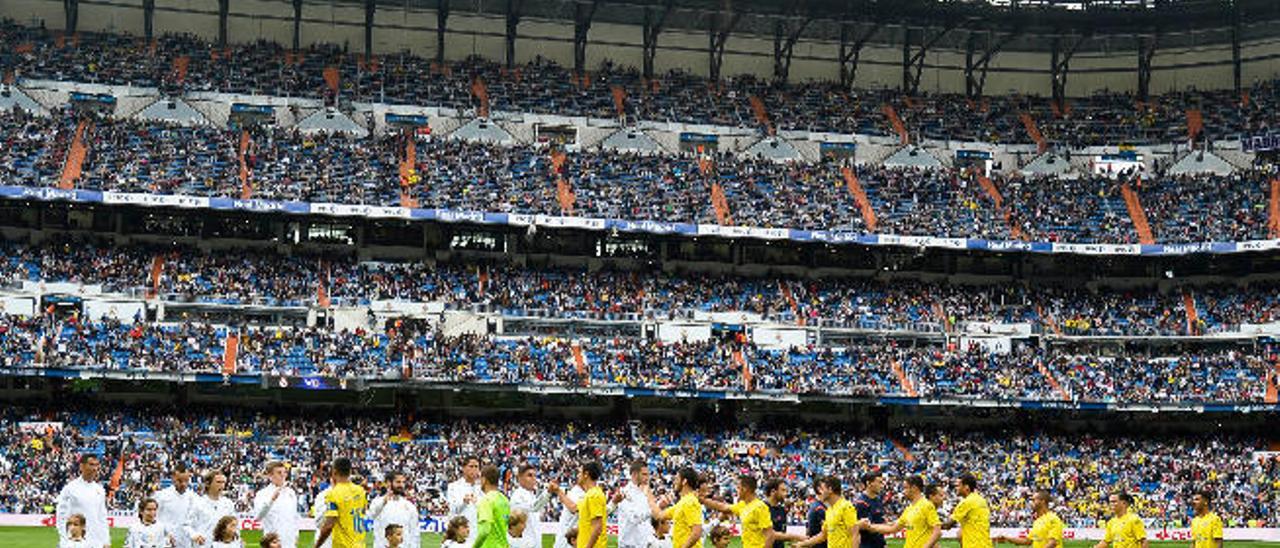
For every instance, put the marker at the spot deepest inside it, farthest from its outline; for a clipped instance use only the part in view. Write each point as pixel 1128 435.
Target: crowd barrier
pixel 838 237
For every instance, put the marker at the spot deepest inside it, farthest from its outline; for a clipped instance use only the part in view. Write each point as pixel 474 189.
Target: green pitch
pixel 45 537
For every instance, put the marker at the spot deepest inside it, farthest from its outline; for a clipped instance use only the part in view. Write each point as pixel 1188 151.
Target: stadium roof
pixel 1111 25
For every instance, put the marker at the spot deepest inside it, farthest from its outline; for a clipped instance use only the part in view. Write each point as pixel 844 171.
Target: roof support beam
pixel 851 50
pixel 583 13
pixel 1235 45
pixel 297 24
pixel 1146 51
pixel 149 19
pixel 786 32
pixel 224 10
pixel 1061 64
pixel 71 14
pixel 442 26
pixel 370 8
pixel 913 62
pixel 723 22
pixel 653 22
pixel 514 11
pixel 975 70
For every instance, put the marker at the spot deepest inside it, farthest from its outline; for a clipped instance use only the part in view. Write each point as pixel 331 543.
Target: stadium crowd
pixel 152 157
pixel 1079 468
pixel 542 86
pixel 254 276
pixel 412 350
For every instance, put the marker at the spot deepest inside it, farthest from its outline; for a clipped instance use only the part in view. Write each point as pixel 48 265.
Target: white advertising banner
pixel 672 332
pixel 18 306
pixel 779 337
pixel 733 318
pixel 993 345
pixel 120 310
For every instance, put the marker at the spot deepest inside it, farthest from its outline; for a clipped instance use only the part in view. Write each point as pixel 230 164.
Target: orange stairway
pixel 791 301
pixel 1139 217
pixel 1193 316
pixel 332 78
pixel 564 195
pixel 157 269
pixel 482 280
pixel 1033 131
pixel 76 154
pixel 721 205
pixel 1195 123
pixel 564 190
pixel 409 170
pixel 1048 320
pixel 896 121
pixel 246 183
pixel 902 378
pixel 322 286
pixel 1273 394
pixel 718 200
pixel 1053 382
pixel 481 92
pixel 860 197
pixel 902 448
pixel 1273 210
pixel 762 114
pixel 941 314
pixel 991 190
pixel 230 352
pixel 580 363
pixel 741 362
pixel 180 65
pixel 619 100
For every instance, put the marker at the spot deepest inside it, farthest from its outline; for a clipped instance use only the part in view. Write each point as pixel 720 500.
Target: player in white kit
pixel 463 494
pixel 207 509
pixel 395 508
pixel 175 504
pixel 86 497
pixel 526 498
pixel 148 533
pixel 276 505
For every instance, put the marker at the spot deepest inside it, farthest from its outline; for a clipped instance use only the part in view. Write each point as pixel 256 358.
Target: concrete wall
pixel 1100 66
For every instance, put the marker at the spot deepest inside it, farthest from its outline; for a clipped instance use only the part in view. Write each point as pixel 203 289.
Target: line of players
pixel 483 517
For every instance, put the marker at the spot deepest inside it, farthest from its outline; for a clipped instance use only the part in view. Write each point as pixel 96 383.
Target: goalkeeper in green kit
pixel 492 512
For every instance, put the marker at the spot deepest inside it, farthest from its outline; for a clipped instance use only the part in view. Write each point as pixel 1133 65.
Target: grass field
pixel 46 537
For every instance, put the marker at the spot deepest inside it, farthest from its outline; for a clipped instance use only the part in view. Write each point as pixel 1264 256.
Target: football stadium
pixel 639 273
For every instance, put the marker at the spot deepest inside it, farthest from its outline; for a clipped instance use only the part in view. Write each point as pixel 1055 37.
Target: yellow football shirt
pixel 1125 531
pixel 756 522
pixel 684 516
pixel 347 502
pixel 974 517
pixel 841 517
pixel 920 518
pixel 1205 530
pixel 1046 528
pixel 592 506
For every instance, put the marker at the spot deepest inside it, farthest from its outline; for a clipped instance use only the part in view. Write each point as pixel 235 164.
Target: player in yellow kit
pixel 592 508
pixel 685 514
pixel 757 523
pixel 1206 526
pixel 344 509
pixel 1046 532
pixel 1126 529
pixel 841 528
pixel 920 520
pixel 972 514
